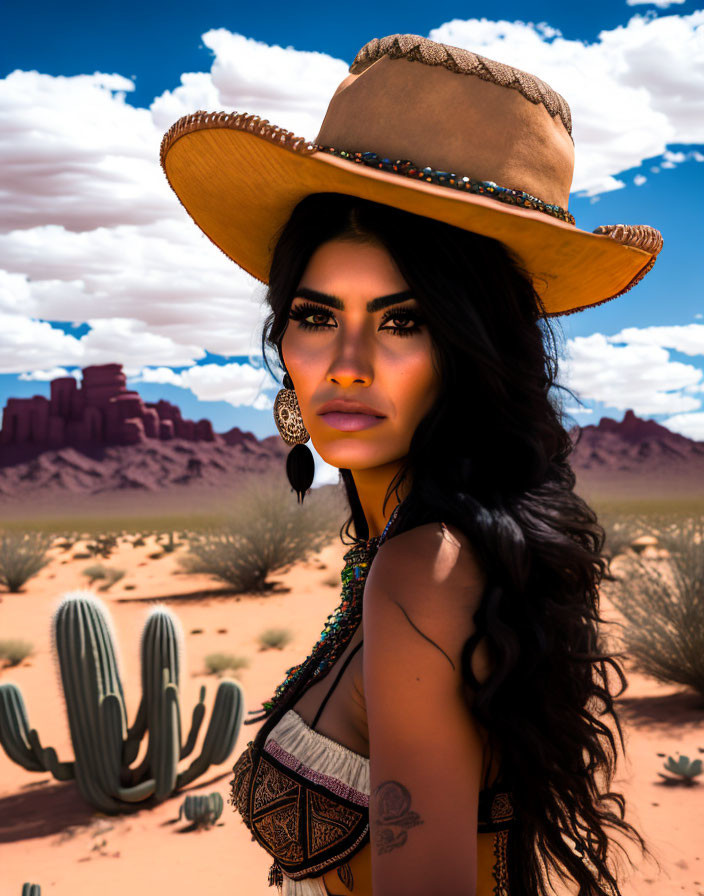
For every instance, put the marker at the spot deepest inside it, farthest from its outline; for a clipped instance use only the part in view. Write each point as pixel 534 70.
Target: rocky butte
pixel 101 411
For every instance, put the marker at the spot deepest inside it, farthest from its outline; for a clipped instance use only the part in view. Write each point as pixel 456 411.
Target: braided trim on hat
pixel 240 121
pixel 641 236
pixel 464 62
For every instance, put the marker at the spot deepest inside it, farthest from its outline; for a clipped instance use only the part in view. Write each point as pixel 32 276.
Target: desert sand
pixel 50 836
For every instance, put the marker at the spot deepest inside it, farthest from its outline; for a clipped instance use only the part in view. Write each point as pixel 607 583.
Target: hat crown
pixel 408 97
pixel 465 62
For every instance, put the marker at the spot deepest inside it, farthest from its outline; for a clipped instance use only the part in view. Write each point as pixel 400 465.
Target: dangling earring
pixel 300 466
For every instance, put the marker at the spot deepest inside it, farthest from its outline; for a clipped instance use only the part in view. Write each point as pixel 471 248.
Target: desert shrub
pixel 621 531
pixel 218 662
pixel 14 650
pixel 663 603
pixel 267 530
pixel 22 555
pixel 275 637
pixel 169 545
pixel 102 545
pixel 94 572
pixel 333 581
pixel 110 575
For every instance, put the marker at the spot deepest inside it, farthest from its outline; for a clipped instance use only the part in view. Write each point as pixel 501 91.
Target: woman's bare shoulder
pixel 436 555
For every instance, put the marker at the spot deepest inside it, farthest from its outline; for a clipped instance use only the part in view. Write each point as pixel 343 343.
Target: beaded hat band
pixel 428 128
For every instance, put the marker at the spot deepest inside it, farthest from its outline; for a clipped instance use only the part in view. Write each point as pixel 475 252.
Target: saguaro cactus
pixel 104 745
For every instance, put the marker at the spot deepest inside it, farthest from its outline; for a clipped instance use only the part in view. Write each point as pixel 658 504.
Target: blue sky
pixel 99 263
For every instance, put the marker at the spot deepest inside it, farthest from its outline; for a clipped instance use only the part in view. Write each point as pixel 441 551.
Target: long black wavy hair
pixel 491 457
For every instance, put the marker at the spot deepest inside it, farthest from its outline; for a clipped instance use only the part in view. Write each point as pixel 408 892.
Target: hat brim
pixel 240 188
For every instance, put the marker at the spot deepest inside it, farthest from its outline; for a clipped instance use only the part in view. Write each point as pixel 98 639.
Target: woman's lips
pixel 350 422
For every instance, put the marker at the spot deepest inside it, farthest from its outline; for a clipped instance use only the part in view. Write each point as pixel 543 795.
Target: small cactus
pixel 31 890
pixel 202 810
pixel 685 770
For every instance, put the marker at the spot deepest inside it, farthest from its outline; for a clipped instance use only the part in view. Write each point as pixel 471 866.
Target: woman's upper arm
pixel 425 747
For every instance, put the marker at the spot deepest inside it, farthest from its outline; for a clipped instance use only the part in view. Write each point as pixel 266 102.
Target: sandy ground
pixel 48 835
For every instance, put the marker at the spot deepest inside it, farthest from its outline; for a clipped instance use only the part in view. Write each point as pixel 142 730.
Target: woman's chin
pixel 351 457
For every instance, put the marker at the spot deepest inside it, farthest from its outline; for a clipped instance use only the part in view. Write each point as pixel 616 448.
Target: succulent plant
pixel 104 745
pixel 685 770
pixel 201 809
pixel 31 890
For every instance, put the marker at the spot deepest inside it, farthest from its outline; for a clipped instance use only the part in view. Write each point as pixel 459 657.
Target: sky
pixel 100 264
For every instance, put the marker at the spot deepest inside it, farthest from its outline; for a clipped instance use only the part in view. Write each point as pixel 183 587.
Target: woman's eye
pixel 301 313
pixel 403 316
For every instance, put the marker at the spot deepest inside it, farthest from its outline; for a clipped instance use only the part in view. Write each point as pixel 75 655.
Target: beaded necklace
pixel 339 627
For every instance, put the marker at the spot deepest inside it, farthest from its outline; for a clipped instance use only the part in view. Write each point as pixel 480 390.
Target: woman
pixel 459 751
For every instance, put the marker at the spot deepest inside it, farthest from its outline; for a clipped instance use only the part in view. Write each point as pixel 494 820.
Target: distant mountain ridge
pixel 102 439
pixel 634 445
pixel 142 467
pixel 636 459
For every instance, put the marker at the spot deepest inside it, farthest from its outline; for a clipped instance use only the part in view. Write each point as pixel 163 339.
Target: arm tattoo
pixel 392 815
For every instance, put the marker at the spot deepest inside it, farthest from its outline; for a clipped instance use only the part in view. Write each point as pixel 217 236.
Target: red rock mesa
pixel 100 411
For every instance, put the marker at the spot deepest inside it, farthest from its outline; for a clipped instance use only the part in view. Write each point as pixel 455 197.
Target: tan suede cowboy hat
pixel 425 127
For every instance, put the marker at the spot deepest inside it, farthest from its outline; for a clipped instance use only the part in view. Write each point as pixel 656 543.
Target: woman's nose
pixel 346 375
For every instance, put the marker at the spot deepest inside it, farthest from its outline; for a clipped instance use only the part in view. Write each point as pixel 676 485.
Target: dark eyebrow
pixel 333 302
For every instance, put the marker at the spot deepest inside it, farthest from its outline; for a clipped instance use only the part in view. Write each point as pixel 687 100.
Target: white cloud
pixel 45 375
pixel 165 275
pixel 234 383
pixel 639 180
pixel 79 156
pixel 638 375
pixel 687 339
pixel 290 87
pixel 690 425
pixel 671 159
pixel 157 375
pixel 238 384
pixel 195 92
pixel 128 341
pixel 27 344
pixel 661 4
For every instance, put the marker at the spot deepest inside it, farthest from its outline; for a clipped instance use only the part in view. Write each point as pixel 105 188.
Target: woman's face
pixel 345 341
